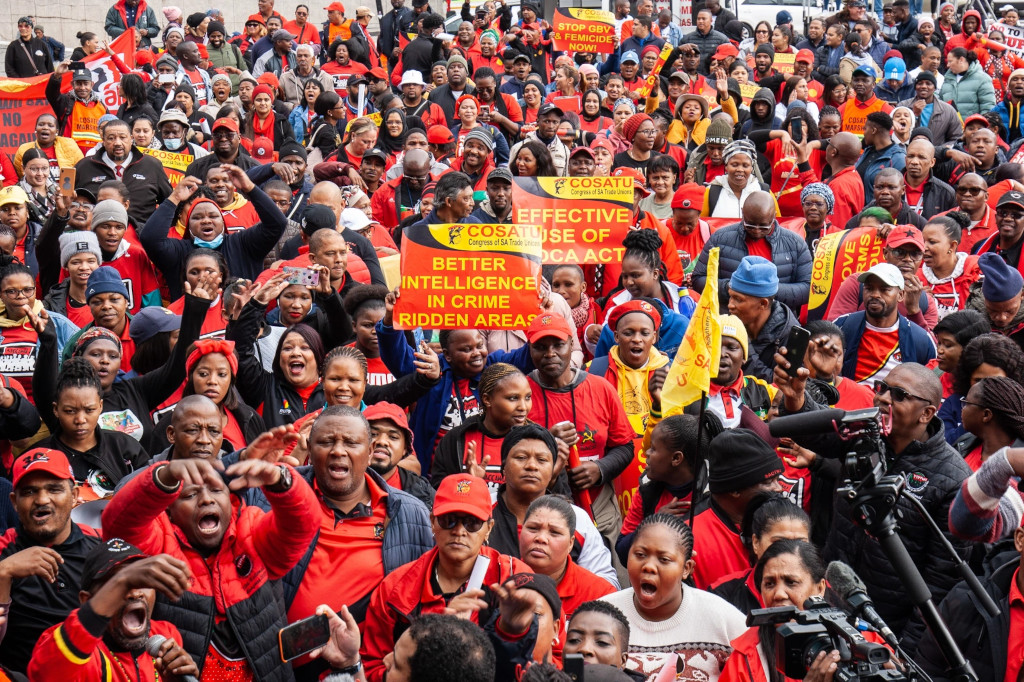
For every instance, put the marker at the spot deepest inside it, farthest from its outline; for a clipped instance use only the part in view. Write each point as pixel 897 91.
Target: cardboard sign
pixel 570 103
pixel 584 219
pixel 174 163
pixel 1014 37
pixel 577 29
pixel 839 255
pixel 463 276
pixel 784 63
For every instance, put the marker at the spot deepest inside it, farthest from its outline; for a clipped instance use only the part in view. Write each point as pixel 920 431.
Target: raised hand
pixel 474 468
pixel 427 362
pixel 184 190
pixel 271 289
pixel 253 473
pixel 271 445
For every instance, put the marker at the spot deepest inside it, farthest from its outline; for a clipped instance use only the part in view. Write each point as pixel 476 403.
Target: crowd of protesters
pixel 212 427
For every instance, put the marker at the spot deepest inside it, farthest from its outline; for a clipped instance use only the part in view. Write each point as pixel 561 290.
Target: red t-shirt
pixel 18 354
pixel 759 247
pixel 491 449
pixel 853 396
pixel 878 355
pixel 378 374
pixel 717 547
pixel 593 406
pixel 353 540
pixel 462 404
pixel 914 195
pixel 233 432
pixel 214 323
pixel 80 314
pixel 1015 642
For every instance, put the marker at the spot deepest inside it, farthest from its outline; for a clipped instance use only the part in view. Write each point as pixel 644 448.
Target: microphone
pixel 806 423
pixel 848 585
pixel 153 645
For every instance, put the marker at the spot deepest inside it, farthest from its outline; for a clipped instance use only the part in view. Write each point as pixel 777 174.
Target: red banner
pixel 839 255
pixel 469 277
pixel 584 219
pixel 23 100
pixel 577 29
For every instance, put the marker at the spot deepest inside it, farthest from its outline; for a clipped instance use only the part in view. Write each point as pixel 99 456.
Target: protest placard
pixel 784 63
pixel 174 163
pixel 461 276
pixel 839 255
pixel 584 220
pixel 578 29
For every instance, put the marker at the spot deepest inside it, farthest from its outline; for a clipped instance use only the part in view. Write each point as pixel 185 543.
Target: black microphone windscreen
pixel 843 579
pixel 806 423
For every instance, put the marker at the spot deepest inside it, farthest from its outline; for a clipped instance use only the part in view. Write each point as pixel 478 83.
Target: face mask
pixel 213 244
pixel 172 144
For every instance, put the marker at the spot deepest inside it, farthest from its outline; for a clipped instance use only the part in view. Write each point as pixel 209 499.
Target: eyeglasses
pixel 898 394
pixel 971 190
pixel 647 131
pixel 1003 213
pixel 818 203
pixel 470 523
pixel 82 204
pixel 751 226
pixel 27 292
pixel 964 402
pixel 762 30
pixel 904 254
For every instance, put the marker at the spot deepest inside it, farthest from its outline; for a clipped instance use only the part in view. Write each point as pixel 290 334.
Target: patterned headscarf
pixel 822 190
pixel 91 335
pixel 742 146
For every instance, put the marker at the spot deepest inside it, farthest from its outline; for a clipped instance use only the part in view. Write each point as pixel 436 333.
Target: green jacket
pixel 228 55
pixel 973 94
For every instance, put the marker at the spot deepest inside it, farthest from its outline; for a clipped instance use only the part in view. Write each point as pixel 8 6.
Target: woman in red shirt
pixel 362 135
pixel 263 121
pixel 592 120
pixel 946 270
pixel 475 445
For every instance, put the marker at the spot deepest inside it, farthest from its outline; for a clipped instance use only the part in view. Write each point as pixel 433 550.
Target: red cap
pixel 268 78
pixel 335 7
pixel 378 72
pixel 690 195
pixel 203 52
pixel 549 324
pixel 977 118
pixel 905 234
pixel 229 123
pixel 53 462
pixel 463 493
pixel 638 178
pixel 439 135
pixel 143 57
pixel 726 50
pixel 257 18
pixel 623 309
pixel 805 56
pixel 392 413
pixel 602 142
pixel 262 150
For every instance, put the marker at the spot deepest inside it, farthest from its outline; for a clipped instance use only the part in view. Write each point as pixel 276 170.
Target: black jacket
pixel 392 25
pixel 140 395
pixel 421 53
pixel 34 60
pixel 281 402
pixel 114 457
pixel 283 131
pixel 144 177
pixel 934 472
pixel 982 639
pixel 938 197
pixel 443 97
pixel 200 167
pixel 243 250
pixel 761 354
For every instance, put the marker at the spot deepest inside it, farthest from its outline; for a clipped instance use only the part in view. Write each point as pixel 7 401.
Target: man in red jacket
pixel 183 508
pixel 109 632
pixel 841 154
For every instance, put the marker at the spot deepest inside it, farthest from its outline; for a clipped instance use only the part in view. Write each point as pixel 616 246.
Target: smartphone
pixel 796 348
pixel 67 182
pixel 485 109
pixel 303 276
pixel 797 130
pixel 75 66
pixel 303 636
pixel 572 665
pixel 165 78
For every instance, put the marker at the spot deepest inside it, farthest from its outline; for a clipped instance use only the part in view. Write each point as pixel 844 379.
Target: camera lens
pixel 815 646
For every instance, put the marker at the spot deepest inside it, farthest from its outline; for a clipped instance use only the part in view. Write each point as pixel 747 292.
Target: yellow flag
pixel 696 361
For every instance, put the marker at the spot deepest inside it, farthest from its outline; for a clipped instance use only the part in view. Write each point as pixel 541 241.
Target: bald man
pixel 841 154
pixel 328 194
pixel 759 234
pixel 926 195
pixel 397 199
pixel 917 452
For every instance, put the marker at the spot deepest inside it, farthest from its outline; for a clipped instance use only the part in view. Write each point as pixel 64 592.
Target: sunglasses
pixel 964 402
pixel 470 523
pixel 971 190
pixel 898 394
pixel 1003 213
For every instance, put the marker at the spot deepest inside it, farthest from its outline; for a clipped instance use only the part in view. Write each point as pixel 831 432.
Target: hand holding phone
pixel 476 578
pixel 303 636
pixel 67 182
pixel 796 348
pixel 307 277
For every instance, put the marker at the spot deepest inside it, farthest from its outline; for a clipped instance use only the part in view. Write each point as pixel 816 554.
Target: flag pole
pixel 701 462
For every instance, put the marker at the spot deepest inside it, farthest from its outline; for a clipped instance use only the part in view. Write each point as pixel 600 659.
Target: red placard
pixel 469 277
pixel 584 219
pixel 576 29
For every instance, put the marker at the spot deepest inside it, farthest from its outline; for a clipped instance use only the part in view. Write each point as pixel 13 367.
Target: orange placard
pixel 577 29
pixel 462 276
pixel 784 63
pixel 839 255
pixel 584 219
pixel 174 163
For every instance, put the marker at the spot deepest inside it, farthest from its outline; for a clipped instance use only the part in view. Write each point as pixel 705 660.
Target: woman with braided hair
pixel 946 270
pixel 475 445
pixel 989 355
pixel 99 458
pixel 665 614
pixel 993 416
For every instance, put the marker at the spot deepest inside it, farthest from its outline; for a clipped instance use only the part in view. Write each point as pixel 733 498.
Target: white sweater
pixel 700 632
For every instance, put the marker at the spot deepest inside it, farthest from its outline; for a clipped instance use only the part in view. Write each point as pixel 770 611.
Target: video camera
pixel 821 627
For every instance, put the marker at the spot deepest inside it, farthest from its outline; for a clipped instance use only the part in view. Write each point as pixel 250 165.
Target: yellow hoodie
pixel 632 386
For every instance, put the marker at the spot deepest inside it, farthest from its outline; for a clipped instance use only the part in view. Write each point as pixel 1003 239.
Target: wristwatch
pixel 284 483
pixel 352 670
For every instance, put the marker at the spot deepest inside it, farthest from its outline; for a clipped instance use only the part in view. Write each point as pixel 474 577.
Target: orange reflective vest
pixel 84 124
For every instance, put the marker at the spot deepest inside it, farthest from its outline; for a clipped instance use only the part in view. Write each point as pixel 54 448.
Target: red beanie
pixel 632 124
